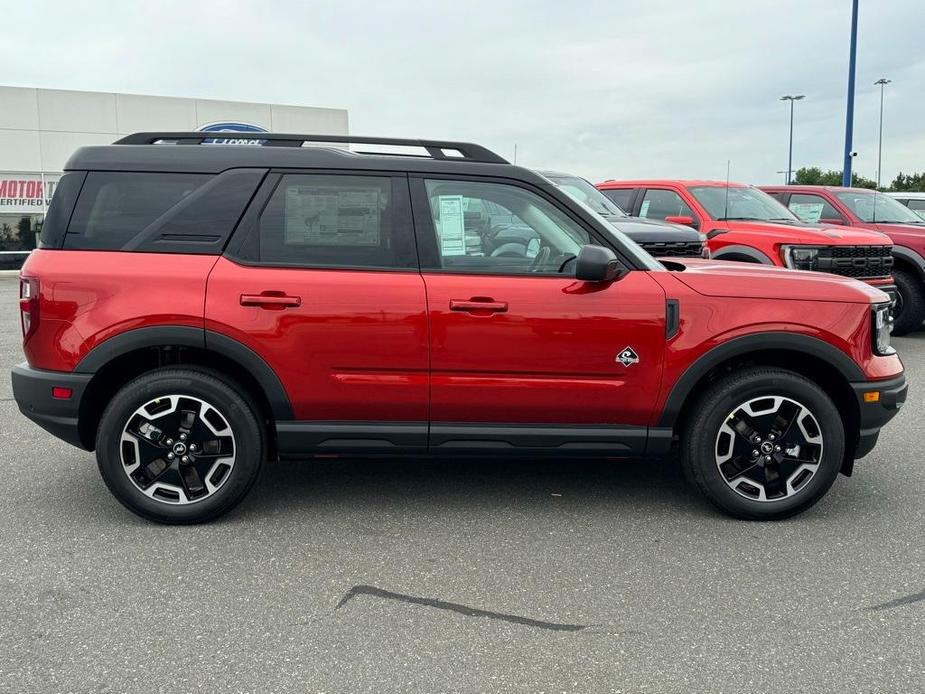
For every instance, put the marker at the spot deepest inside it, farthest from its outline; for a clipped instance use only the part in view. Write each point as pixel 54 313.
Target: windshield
pixel 877 207
pixel 582 191
pixel 744 203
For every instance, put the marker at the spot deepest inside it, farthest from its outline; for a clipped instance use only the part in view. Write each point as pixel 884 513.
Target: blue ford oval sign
pixel 232 127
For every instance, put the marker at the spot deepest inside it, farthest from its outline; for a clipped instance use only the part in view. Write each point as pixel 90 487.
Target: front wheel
pixel 763 443
pixel 179 445
pixel 909 311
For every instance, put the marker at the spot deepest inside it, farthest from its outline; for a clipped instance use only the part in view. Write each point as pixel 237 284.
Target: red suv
pixel 743 223
pixel 860 208
pixel 198 309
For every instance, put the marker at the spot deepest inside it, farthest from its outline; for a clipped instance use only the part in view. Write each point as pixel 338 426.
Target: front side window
pixel 582 191
pixel 877 208
pixel 660 204
pixel 621 197
pixel 494 228
pixel 324 220
pixel 741 203
pixel 917 205
pixel 812 208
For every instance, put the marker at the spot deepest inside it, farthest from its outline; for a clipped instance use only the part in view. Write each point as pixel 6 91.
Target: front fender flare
pixel 747 251
pixel 746 344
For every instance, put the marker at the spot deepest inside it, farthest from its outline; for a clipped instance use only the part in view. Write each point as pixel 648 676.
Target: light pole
pixel 849 111
pixel 883 81
pixel 791 99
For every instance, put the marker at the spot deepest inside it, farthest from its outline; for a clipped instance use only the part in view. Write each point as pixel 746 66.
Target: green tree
pixel 814 176
pixel 909 182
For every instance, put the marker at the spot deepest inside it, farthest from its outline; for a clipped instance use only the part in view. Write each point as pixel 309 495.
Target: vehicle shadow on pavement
pixel 642 486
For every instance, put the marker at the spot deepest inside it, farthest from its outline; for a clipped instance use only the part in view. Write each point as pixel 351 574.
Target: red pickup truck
pixel 860 208
pixel 743 223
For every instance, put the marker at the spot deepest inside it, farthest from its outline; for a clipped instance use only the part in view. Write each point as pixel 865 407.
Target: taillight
pixel 28 305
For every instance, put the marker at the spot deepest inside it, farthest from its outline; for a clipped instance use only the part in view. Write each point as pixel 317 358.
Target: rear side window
pixel 321 220
pixel 114 207
pixel 160 212
pixel 59 211
pixel 622 198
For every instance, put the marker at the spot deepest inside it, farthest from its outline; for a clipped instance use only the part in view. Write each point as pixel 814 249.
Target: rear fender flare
pixel 186 336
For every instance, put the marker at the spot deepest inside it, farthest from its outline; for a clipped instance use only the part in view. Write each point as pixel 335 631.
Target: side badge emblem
pixel 628 357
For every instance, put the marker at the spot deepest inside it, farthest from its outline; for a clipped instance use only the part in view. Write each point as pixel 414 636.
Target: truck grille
pixel 693 249
pixel 862 262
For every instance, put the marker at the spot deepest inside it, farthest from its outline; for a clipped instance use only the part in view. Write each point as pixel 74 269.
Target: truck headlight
pixel 881 327
pixel 801 257
pixel 704 248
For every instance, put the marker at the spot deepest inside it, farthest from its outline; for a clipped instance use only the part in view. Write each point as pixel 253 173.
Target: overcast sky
pixel 612 89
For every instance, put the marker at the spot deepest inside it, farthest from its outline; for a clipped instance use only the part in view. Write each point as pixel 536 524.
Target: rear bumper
pixel 874 415
pixel 32 391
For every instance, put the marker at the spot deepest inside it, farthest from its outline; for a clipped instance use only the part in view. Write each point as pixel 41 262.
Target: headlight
pixel 881 326
pixel 800 257
pixel 704 248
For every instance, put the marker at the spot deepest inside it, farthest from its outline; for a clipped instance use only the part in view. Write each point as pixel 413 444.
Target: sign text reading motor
pixel 25 192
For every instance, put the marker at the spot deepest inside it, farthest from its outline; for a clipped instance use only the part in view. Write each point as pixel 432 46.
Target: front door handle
pixel 271 300
pixel 478 304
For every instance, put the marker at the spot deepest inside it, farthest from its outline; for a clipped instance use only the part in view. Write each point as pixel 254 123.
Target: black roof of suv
pixel 191 152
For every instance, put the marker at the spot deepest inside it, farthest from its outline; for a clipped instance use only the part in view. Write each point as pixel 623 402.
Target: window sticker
pixel 450 227
pixel 644 210
pixel 807 211
pixel 320 216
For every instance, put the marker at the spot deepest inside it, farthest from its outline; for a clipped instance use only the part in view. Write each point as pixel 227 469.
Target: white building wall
pixel 41 128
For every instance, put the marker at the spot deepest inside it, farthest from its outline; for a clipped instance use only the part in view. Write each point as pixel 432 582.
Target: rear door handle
pixel 275 300
pixel 478 304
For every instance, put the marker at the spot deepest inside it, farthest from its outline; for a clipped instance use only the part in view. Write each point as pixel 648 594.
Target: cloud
pixel 605 89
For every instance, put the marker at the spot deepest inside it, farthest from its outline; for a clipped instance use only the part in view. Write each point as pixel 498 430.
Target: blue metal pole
pixel 849 119
pixel 790 154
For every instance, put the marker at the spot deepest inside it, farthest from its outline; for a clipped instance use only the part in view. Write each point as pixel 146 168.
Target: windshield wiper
pixel 740 219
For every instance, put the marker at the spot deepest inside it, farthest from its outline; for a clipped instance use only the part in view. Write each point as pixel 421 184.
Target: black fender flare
pixel 740 346
pixel 747 251
pixel 911 257
pixel 187 336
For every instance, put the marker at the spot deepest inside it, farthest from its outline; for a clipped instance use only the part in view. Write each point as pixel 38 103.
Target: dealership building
pixel 41 128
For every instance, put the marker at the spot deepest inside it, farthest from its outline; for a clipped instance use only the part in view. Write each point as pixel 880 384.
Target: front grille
pixel 693 249
pixel 862 262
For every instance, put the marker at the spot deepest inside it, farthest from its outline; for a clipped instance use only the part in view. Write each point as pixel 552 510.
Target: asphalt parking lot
pixel 372 576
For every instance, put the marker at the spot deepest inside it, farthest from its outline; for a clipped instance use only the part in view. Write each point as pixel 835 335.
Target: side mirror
pixel 681 219
pixel 835 221
pixel 597 264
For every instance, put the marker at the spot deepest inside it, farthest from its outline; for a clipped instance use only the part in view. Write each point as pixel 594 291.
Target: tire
pixel 797 477
pixel 223 442
pixel 911 302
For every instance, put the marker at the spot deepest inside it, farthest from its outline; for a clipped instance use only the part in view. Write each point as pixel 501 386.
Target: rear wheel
pixel 909 311
pixel 179 446
pixel 763 444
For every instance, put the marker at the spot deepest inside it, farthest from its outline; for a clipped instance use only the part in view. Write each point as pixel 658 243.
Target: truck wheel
pixel 910 303
pixel 179 445
pixel 763 443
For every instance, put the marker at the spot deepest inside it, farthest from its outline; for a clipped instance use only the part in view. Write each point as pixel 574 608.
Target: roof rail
pixel 437 149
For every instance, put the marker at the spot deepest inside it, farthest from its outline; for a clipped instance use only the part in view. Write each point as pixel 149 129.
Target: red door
pixel 522 354
pixel 327 291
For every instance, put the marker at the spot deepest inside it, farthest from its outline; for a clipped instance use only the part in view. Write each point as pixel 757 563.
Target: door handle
pixel 276 300
pixel 478 304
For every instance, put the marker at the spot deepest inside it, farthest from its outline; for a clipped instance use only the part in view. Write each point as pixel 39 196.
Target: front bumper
pixel 32 390
pixel 874 415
